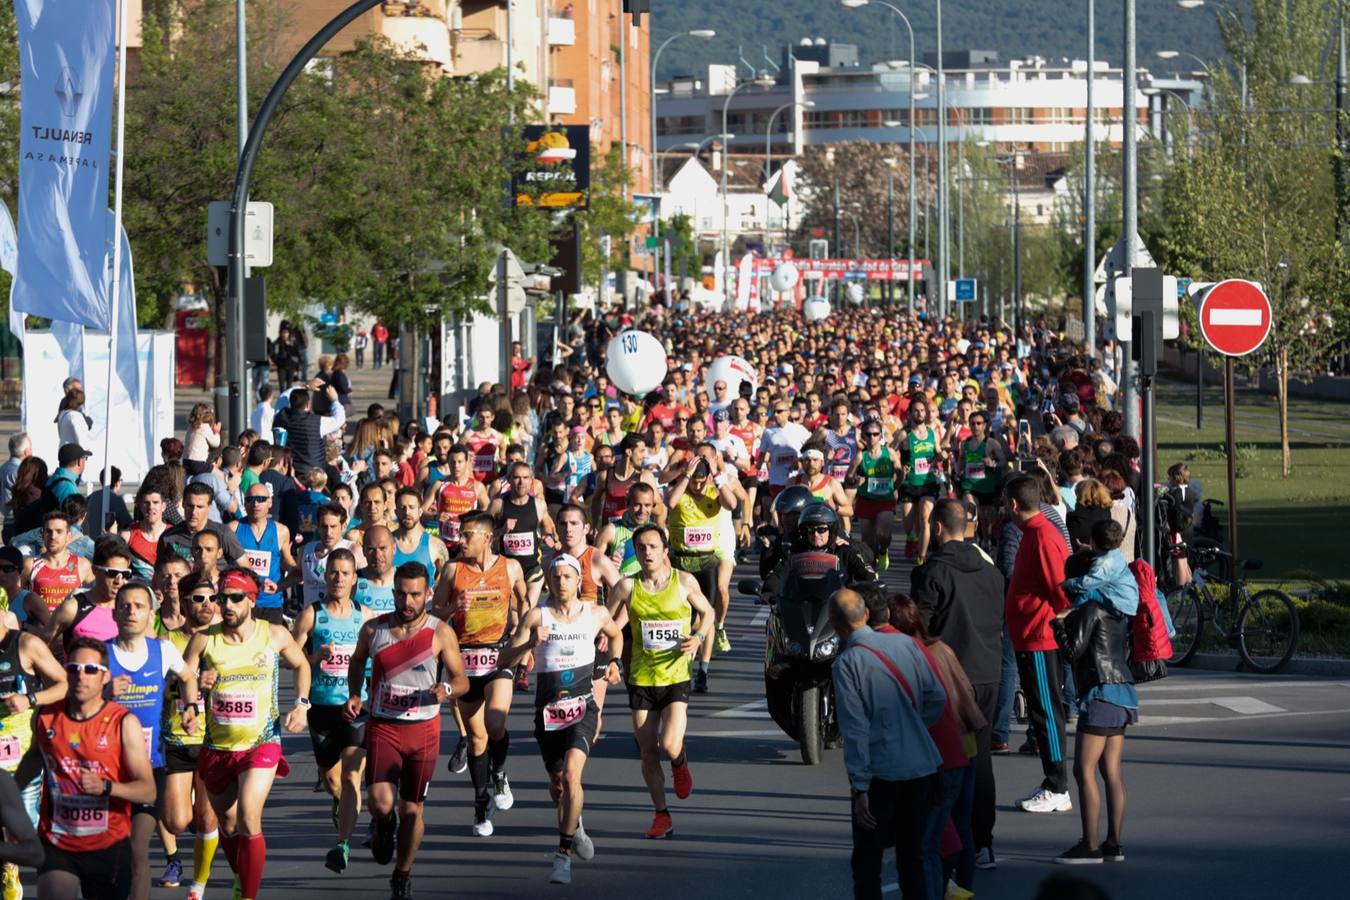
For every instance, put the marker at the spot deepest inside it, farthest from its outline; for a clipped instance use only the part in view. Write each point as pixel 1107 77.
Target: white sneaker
pixel 483 828
pixel 1046 800
pixel 502 798
pixel 582 845
pixel 562 869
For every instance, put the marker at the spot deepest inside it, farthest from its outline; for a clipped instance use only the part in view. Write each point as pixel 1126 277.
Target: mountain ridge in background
pixel 1016 29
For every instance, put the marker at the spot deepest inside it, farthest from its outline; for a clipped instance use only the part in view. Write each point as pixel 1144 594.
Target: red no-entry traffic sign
pixel 1235 317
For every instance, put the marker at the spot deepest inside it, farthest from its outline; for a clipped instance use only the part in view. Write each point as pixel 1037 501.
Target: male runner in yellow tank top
pixel 660 603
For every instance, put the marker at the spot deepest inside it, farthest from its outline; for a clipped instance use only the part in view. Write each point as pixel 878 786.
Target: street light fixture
pixel 768 132
pixel 913 210
pixel 763 81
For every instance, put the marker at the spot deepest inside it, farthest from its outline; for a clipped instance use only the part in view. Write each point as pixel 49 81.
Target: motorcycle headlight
pixel 793 648
pixel 828 647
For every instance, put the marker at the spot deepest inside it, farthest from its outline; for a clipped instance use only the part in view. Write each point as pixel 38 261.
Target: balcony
pixel 478 53
pixel 423 36
pixel 562 97
pixel 562 32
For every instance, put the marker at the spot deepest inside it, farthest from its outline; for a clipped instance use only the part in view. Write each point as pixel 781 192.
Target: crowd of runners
pixel 554 535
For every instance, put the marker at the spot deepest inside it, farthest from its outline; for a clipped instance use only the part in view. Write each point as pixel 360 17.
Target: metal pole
pixel 236 368
pixel 1017 253
pixel 1147 508
pixel 890 234
pixel 244 176
pixel 1340 126
pixel 1129 202
pixel 913 203
pixel 114 304
pixel 838 241
pixel 944 214
pixel 1199 388
pixel 1090 190
pixel 510 48
pixel 1230 452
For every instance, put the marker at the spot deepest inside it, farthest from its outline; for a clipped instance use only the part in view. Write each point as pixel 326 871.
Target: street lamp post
pixel 1090 191
pixel 1130 209
pixel 768 143
pixel 890 227
pixel 705 34
pixel 763 81
pixel 913 206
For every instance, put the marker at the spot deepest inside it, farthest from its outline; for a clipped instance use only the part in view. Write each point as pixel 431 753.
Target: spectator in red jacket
pixel 1034 600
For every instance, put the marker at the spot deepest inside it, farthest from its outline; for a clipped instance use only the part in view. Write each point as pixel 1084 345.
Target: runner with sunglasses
pixel 267 552
pixel 89 613
pixel 875 469
pixel 183 803
pixel 30 677
pixel 96 770
pixel 142 666
pixel 241 754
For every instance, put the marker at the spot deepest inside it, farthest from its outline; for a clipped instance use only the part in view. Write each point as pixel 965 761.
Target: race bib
pixel 923 465
pixel 10 750
pixel 235 708
pixel 785 460
pixel 450 531
pixel 399 701
pixel 485 463
pixel 149 735
pixel 763 472
pixel 79 815
pixel 839 471
pixel 520 543
pixel 338 661
pixel 877 486
pixel 479 660
pixel 698 539
pixel 561 714
pixel 260 561
pixel 662 634
pixel 975 471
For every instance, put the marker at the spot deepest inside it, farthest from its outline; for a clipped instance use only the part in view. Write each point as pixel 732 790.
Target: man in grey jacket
pixel 887 696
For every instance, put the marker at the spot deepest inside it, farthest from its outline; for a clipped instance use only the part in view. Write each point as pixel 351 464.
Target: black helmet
pixel 792 500
pixel 818 514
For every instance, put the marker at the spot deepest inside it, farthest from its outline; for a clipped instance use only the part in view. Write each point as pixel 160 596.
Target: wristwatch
pixel 107 787
pixel 449 689
pixel 303 702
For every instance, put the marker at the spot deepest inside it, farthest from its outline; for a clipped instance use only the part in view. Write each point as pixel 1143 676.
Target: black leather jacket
pixel 1097 644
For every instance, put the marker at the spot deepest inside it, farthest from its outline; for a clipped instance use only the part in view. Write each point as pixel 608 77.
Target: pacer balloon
pixel 636 362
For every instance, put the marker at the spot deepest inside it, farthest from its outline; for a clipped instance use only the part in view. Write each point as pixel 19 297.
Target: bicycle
pixel 1262 627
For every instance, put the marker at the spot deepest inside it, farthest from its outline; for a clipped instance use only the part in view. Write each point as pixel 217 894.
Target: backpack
pixel 1150 647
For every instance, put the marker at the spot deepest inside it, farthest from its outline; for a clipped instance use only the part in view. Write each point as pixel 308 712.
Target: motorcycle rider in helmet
pixel 800 515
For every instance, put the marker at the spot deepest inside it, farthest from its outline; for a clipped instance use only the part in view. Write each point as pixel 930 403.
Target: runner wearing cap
pixel 482 595
pixel 241 754
pixel 562 636
pixel 415 666
pixel 668 618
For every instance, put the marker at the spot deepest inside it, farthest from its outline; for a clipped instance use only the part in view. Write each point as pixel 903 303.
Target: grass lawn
pixel 1300 525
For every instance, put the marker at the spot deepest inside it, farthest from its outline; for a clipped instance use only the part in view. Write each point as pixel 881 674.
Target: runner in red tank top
pixel 456 496
pixel 57 573
pixel 97 767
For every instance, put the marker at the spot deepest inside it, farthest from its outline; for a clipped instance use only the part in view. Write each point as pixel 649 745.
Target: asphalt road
pixel 1239 786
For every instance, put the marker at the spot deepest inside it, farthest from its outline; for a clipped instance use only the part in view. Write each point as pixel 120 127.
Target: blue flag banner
pixel 9 261
pixel 66 53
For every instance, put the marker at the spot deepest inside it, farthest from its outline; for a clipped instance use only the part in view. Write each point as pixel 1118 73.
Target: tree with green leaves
pixel 1255 199
pixel 608 212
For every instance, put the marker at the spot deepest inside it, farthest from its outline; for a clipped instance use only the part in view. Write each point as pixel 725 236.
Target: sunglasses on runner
pixel 75 668
pixel 231 598
pixel 123 574
pixel 257 498
pixel 202 598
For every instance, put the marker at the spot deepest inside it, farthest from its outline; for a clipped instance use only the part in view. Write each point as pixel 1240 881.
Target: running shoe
pixel 386 833
pixel 1047 801
pixel 582 845
pixel 459 760
pixel 911 546
pixel 523 682
pixel 237 891
pixel 956 892
pixel 502 798
pixel 400 886
pixel 662 827
pixel 684 780
pixel 173 874
pixel 1112 852
pixel 700 681
pixel 883 561
pixel 13 888
pixel 482 820
pixel 196 892
pixel 999 748
pixel 984 858
pixel 1080 854
pixel 337 858
pixel 722 643
pixel 1029 748
pixel 562 869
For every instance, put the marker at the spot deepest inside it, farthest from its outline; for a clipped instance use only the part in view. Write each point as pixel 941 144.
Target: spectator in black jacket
pixel 960 593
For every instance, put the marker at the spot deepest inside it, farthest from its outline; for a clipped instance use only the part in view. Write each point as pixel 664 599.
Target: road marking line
pixel 755 709
pixel 1247 706
pixel 740 734
pixel 1234 317
pixel 759 618
pixel 890 888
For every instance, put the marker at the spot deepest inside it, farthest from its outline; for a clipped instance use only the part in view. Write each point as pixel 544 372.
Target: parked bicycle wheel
pixel 1188 620
pixel 1267 630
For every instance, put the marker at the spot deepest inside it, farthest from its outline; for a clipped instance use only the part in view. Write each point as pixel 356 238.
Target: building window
pixel 1019 115
pixel 673 125
pixel 816 119
pixel 978 115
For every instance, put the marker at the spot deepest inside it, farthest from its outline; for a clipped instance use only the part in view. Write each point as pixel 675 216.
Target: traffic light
pixel 637 8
